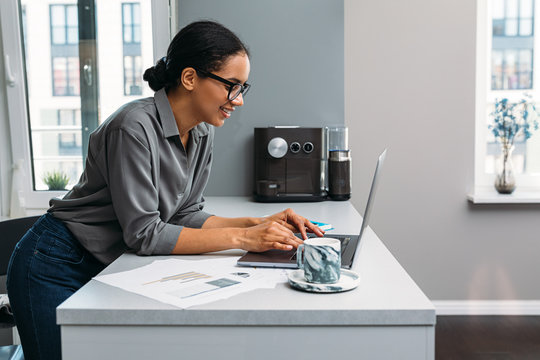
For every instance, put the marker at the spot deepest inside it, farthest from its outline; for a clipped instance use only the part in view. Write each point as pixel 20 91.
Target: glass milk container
pixel 339 163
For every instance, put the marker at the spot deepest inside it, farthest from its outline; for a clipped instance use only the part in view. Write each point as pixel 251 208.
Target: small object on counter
pixel 322 226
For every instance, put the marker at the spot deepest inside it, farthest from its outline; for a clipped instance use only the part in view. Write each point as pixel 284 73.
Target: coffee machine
pixel 290 164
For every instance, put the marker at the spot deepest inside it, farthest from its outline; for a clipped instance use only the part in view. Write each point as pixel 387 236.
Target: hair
pixel 205 45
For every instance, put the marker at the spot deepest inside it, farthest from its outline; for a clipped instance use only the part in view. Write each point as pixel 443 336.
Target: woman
pixel 142 187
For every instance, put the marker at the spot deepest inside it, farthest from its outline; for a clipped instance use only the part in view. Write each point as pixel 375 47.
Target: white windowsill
pixel 488 195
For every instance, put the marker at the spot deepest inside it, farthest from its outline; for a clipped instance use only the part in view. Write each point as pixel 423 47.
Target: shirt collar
pixel 165 114
pixel 200 131
pixel 168 123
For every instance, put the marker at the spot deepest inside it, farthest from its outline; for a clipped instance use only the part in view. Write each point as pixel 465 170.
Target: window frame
pixel 16 96
pixel 485 98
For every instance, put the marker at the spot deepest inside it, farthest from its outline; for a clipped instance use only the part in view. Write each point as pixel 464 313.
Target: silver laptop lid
pixel 371 198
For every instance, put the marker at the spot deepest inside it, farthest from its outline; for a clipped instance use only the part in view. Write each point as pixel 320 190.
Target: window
pixel 131 23
pixel 511 69
pixel 512 44
pixel 132 75
pixel 507 67
pixel 65 76
pixel 131 28
pixel 64 25
pixel 69 126
pixel 69 144
pixel 64 30
pixel 63 91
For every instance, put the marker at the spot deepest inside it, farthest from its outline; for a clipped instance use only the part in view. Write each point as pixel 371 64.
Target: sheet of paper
pixel 186 283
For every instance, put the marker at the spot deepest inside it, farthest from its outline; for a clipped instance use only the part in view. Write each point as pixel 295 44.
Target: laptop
pixel 349 243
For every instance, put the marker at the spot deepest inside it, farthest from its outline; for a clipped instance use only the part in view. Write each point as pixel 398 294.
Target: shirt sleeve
pixel 192 216
pixel 132 183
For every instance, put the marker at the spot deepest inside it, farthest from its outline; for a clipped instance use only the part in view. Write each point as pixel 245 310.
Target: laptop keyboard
pixel 344 243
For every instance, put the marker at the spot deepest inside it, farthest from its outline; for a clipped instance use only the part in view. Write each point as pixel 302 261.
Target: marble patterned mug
pixel 321 260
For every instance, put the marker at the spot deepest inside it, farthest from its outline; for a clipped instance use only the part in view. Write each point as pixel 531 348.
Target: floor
pixel 487 338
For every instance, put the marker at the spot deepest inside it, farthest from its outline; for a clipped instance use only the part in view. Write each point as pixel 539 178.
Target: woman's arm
pixel 215 222
pixel 262 237
pixel 247 233
pixel 288 218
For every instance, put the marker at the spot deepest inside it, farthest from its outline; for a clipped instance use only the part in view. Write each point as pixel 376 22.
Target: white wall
pixel 410 86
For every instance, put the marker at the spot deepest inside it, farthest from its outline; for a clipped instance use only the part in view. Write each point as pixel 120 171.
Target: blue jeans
pixel 46 267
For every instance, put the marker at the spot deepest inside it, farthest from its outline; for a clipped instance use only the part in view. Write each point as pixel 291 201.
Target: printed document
pixel 186 283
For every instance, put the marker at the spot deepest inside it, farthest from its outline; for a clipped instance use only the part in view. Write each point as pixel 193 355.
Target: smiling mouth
pixel 226 111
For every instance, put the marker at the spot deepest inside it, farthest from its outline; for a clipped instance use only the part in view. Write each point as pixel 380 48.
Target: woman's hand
pixel 268 235
pixel 294 222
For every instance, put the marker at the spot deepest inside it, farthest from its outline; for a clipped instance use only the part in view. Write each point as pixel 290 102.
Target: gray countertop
pixel 385 296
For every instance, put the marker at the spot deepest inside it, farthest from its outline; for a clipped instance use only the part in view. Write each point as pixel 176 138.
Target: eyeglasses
pixel 235 89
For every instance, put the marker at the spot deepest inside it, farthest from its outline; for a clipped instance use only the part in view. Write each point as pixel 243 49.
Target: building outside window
pixel 69 137
pixel 132 75
pixel 64 30
pixel 131 31
pixel 512 44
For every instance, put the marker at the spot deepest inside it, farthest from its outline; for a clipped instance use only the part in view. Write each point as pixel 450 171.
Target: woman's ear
pixel 188 78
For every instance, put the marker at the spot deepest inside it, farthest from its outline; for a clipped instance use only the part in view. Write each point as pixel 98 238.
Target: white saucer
pixel 348 280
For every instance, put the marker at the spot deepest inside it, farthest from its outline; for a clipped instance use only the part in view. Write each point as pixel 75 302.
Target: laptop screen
pixel 372 192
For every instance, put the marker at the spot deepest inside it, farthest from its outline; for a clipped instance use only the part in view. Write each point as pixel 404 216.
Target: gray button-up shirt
pixel 140 187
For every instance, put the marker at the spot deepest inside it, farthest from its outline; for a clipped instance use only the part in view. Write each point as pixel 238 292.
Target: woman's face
pixel 212 100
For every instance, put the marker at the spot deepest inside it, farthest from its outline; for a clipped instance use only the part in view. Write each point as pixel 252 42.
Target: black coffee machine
pixel 290 164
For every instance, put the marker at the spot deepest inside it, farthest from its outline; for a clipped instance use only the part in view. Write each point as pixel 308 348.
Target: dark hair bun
pixel 156 75
pixel 204 45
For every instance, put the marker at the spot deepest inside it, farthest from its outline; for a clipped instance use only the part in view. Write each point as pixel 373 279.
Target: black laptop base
pixel 287 259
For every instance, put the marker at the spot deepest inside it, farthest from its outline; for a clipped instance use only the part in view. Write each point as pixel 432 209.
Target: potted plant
pixel 56 180
pixel 511 121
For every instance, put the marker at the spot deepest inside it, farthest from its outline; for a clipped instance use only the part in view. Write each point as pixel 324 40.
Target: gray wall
pixel 296 74
pixel 410 86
